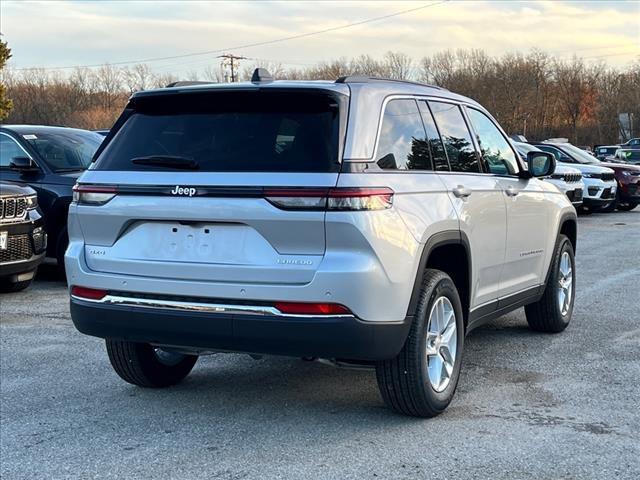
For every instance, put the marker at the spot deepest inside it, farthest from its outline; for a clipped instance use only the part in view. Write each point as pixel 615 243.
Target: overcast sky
pixel 67 33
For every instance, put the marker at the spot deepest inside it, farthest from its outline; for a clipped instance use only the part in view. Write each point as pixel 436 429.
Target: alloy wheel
pixel 565 284
pixel 442 343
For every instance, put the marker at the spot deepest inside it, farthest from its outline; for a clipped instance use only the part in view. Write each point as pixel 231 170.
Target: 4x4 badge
pixel 189 191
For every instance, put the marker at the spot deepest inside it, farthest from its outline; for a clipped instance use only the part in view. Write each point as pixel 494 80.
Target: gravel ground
pixel 528 405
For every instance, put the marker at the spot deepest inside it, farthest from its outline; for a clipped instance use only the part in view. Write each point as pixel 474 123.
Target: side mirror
pixel 23 164
pixel 541 164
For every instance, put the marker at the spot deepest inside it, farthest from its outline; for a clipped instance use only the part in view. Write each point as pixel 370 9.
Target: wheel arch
pixel 450 252
pixel 568 226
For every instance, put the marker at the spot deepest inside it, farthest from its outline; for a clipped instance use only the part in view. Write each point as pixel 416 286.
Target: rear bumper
pixel 343 337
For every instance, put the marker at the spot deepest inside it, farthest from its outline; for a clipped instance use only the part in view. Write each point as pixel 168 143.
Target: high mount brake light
pixel 339 198
pixel 93 194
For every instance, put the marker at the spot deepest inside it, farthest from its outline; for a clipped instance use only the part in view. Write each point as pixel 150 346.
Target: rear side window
pixel 456 137
pixel 438 154
pixel 235 131
pixel 403 144
pixel 495 149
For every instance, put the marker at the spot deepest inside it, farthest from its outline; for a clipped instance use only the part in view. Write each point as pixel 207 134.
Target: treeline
pixel 533 94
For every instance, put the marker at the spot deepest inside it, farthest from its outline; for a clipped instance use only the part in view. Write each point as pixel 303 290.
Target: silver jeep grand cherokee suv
pixel 364 220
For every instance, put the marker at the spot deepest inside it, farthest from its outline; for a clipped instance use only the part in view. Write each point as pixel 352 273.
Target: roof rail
pixel 365 79
pixel 187 83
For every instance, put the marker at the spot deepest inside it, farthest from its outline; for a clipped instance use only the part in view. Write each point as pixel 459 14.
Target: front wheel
pixel 552 313
pixel 421 380
pixel 148 366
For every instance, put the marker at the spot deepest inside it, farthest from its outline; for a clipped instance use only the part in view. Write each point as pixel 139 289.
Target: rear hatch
pixel 202 185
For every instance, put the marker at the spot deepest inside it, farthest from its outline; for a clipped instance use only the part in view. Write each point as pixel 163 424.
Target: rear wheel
pixel 422 379
pixel 148 366
pixel 552 313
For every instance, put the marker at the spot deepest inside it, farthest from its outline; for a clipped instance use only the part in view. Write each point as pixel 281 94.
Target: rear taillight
pixel 298 308
pixel 93 194
pixel 339 198
pixel 89 293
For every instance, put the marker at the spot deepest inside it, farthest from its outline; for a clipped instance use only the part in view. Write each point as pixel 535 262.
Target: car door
pixel 528 208
pixel 478 200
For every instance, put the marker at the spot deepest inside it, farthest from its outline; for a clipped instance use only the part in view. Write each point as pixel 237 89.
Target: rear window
pixel 64 150
pixel 239 131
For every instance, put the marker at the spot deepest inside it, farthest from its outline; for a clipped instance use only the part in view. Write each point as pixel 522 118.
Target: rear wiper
pixel 167 161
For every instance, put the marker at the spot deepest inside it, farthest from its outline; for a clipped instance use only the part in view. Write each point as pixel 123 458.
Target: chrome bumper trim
pixel 224 308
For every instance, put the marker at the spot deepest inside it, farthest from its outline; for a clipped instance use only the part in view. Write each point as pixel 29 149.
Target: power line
pixel 249 45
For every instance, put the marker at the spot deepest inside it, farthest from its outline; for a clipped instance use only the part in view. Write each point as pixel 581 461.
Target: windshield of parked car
pixel 64 150
pixel 579 155
pixel 228 132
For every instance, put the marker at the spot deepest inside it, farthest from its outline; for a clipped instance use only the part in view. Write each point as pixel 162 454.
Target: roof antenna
pixel 261 75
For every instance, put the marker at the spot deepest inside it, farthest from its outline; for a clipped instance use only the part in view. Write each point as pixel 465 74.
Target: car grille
pixel 13 208
pixel 606 193
pixel 18 248
pixel 572 177
pixel 593 191
pixel 632 189
pixel 608 176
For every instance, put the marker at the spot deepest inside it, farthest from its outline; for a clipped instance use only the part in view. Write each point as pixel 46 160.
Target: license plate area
pixel 4 240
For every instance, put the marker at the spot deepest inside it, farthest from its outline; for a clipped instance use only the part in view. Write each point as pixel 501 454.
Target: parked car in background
pixel 362 221
pixel 48 159
pixel 633 143
pixel 604 151
pixel 599 181
pixel 625 155
pixel 628 179
pixel 567 179
pixel 23 239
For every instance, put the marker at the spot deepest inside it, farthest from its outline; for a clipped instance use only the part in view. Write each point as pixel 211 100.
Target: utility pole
pixel 229 59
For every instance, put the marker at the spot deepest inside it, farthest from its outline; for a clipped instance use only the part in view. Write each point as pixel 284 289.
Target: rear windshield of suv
pixel 232 131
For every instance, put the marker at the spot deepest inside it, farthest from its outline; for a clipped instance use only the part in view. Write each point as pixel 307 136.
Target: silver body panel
pixel 364 260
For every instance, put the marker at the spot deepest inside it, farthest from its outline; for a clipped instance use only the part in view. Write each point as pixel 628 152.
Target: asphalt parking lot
pixel 528 405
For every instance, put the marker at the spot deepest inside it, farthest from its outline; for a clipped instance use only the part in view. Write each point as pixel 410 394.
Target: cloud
pixel 69 33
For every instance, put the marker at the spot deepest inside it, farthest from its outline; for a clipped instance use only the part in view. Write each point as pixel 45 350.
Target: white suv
pixel 566 179
pixel 361 221
pixel 599 181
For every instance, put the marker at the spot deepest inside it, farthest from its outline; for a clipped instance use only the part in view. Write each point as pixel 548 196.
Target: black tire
pixel 140 364
pixel 546 315
pixel 627 207
pixel 404 380
pixel 61 248
pixel 611 206
pixel 11 287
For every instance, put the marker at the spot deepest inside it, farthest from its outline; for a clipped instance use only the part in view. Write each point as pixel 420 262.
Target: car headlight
pixel 626 173
pixel 32 202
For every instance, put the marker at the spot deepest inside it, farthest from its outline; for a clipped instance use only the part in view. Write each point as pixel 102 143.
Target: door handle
pixel 511 191
pixel 461 191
